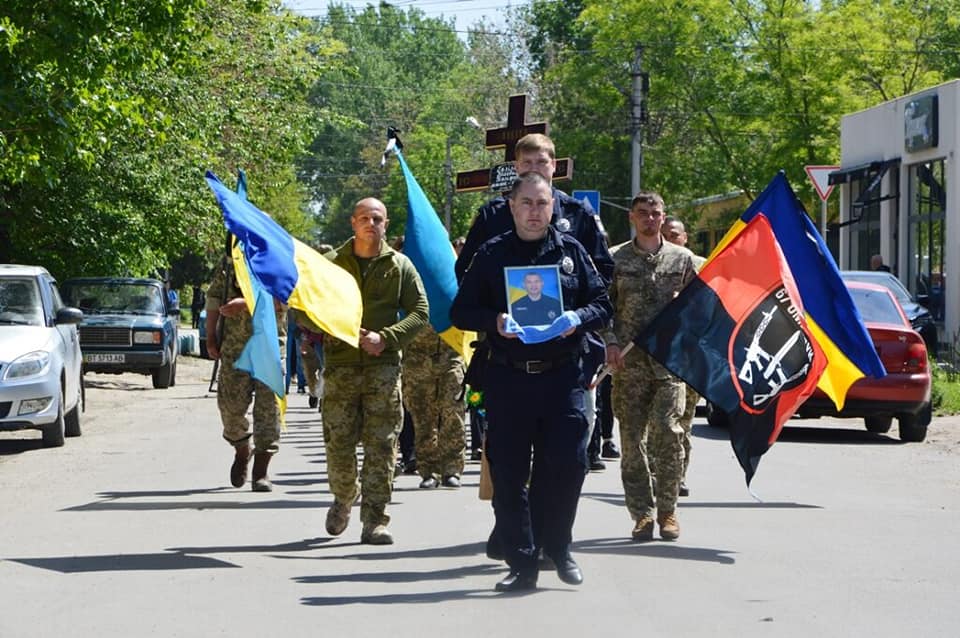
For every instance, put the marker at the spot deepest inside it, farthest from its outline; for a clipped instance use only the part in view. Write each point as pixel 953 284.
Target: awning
pixel 861 171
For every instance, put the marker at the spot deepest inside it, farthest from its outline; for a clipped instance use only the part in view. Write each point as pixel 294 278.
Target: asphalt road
pixel 133 530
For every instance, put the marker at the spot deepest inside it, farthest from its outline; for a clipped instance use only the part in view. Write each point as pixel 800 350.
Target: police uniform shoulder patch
pixel 567 265
pixel 563 225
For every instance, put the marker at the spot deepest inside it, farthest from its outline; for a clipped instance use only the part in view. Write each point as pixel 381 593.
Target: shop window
pixel 864 236
pixel 927 234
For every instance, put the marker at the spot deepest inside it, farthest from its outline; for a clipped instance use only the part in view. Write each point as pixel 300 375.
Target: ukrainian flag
pixel 833 320
pixel 427 244
pixel 270 264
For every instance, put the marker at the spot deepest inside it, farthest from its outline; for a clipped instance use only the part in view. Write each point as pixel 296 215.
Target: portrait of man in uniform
pixel 533 294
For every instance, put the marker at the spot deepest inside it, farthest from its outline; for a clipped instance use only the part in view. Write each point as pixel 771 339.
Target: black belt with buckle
pixel 535 366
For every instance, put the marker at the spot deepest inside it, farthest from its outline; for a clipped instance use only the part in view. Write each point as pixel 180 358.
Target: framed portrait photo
pixel 533 294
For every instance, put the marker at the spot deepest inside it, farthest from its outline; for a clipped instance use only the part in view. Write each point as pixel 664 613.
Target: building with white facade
pixel 896 168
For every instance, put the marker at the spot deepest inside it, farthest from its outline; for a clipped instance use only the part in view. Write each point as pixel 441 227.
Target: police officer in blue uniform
pixel 534 393
pixel 536 152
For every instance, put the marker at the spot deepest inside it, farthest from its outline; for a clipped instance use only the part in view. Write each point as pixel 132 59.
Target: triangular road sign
pixel 820 175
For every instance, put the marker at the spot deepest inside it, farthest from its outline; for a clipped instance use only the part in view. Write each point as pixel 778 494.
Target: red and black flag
pixel 738 336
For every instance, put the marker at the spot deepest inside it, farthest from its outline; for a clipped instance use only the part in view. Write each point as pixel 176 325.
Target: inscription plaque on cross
pixel 506 138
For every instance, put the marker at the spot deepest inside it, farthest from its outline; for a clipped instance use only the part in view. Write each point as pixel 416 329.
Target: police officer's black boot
pixel 241 459
pixel 518 580
pixel 260 482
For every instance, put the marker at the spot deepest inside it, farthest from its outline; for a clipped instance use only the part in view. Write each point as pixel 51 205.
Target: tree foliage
pixel 739 89
pixel 111 110
pixel 119 189
pixel 411 72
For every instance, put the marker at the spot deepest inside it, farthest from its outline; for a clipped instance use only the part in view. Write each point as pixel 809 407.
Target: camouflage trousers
pixel 430 394
pixel 686 422
pixel 648 402
pixel 362 405
pixel 312 370
pixel 235 390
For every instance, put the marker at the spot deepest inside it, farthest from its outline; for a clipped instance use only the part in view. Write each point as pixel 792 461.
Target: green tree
pixel 234 97
pixel 404 70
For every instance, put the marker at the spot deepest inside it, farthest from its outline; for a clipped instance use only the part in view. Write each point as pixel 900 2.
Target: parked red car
pixel 905 392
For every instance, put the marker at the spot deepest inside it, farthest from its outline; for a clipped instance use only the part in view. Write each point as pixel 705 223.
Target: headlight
pixel 146 337
pixel 32 406
pixel 30 364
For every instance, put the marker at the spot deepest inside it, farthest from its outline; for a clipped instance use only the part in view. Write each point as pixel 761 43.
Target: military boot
pixel 375 535
pixel 241 459
pixel 669 527
pixel 643 529
pixel 338 517
pixel 259 480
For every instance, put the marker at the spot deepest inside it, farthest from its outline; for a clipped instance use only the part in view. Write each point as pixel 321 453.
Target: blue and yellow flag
pixel 261 354
pixel 427 244
pixel 289 270
pixel 833 319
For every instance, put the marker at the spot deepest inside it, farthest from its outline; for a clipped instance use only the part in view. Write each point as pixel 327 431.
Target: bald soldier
pixel 362 402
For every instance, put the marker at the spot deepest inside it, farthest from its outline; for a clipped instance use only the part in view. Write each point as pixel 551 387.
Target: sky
pixel 465 12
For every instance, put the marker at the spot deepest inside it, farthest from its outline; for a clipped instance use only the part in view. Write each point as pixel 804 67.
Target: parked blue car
pixel 128 325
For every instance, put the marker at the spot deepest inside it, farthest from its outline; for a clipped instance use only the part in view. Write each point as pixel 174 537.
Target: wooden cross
pixel 506 138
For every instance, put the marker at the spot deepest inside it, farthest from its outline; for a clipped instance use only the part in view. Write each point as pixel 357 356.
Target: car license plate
pixel 104 358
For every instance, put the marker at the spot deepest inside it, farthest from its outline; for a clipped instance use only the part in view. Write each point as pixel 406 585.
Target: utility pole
pixel 638 116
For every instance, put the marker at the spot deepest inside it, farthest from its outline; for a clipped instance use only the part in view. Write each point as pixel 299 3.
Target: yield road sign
pixel 820 176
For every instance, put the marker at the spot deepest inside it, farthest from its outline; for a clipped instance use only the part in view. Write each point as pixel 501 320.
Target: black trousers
pixel 406 439
pixel 536 417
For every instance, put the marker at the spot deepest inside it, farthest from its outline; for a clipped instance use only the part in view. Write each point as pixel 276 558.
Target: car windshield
pixel 94 298
pixel 876 306
pixel 20 302
pixel 882 279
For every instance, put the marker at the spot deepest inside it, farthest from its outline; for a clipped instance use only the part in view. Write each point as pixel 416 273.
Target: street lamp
pixel 448 173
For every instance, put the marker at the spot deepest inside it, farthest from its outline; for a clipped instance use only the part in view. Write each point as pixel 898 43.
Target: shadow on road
pixel 612 498
pixel 94 383
pixel 402 577
pixel 809 434
pixel 186 504
pixel 305 545
pixel 123 563
pixel 413 598
pixel 654 549
pixel 9 447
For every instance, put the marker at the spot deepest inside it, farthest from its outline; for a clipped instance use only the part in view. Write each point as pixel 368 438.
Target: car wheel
pixel 162 375
pixel 53 432
pixel 173 374
pixel 878 424
pixel 716 417
pixel 912 428
pixel 72 418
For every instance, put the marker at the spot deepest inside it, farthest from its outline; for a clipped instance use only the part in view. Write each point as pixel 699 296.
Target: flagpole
pixel 607 370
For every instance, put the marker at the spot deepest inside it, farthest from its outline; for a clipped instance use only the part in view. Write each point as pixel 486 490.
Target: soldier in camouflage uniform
pixel 362 402
pixel 235 388
pixel 675 233
pixel 432 379
pixel 647 400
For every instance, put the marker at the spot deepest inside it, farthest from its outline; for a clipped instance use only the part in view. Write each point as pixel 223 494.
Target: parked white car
pixel 41 380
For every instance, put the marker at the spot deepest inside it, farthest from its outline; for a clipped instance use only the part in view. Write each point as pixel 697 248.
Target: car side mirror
pixel 68 314
pixel 924 300
pixel 174 311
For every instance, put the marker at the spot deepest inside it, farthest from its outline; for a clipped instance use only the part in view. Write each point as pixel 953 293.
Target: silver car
pixel 41 381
